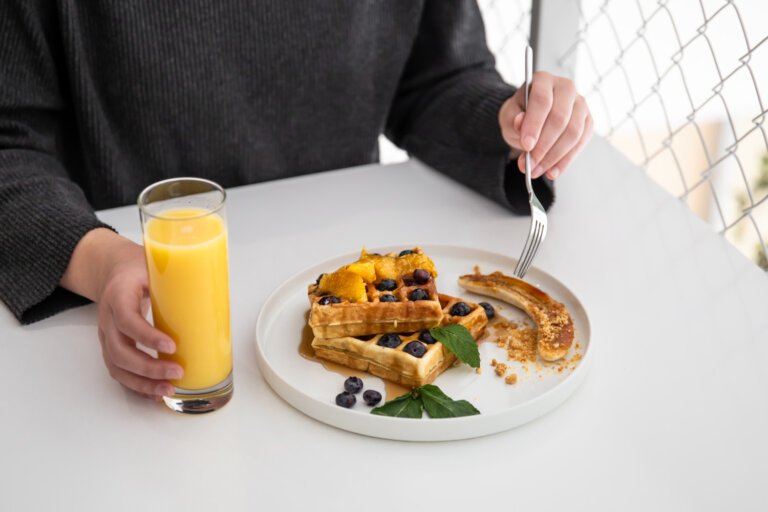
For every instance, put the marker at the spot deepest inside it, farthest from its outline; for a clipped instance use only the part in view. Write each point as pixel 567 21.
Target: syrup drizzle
pixel 391 389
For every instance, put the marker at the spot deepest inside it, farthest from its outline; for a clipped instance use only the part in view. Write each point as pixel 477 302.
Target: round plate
pixel 312 389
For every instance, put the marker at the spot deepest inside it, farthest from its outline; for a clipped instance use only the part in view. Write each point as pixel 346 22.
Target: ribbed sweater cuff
pixel 516 194
pixel 43 219
pixel 492 175
pixel 29 282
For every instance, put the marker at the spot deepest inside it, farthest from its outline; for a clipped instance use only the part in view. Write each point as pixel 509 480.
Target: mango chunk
pixel 366 270
pixel 344 284
pixel 392 267
pixel 410 262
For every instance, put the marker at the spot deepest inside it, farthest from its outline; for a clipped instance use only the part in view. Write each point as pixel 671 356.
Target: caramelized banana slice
pixel 555 326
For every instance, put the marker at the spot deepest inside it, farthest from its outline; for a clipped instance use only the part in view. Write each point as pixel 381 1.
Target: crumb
pixel 478 370
pixel 574 361
pixel 520 341
pixel 521 345
pixel 476 268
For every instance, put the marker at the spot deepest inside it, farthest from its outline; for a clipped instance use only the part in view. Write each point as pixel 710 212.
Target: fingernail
pixel 537 171
pixel 528 142
pixel 554 173
pixel 167 347
pixel 174 373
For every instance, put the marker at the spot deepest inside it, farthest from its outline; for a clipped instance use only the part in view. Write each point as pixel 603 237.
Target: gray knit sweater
pixel 98 99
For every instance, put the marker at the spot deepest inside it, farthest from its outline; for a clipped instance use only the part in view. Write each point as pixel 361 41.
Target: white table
pixel 672 416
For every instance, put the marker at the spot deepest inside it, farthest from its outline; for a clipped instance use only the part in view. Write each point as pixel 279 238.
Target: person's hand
pixel 555 128
pixel 111 270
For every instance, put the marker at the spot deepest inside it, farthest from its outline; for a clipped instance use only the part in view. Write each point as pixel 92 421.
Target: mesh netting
pixel 507 29
pixel 681 87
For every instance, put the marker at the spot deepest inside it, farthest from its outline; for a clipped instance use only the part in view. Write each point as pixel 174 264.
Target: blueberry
pixel 427 338
pixel 421 276
pixel 389 341
pixel 388 297
pixel 329 299
pixel 372 397
pixel 345 399
pixel 353 385
pixel 387 285
pixel 415 348
pixel 405 252
pixel 460 309
pixel 318 279
pixel 489 311
pixel 418 294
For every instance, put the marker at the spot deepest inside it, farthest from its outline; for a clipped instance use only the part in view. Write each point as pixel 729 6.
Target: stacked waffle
pixel 375 314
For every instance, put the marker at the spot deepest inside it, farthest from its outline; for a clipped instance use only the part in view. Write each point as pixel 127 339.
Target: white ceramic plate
pixel 312 389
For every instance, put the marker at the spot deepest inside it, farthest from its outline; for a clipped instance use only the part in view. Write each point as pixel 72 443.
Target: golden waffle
pixel 394 364
pixel 348 318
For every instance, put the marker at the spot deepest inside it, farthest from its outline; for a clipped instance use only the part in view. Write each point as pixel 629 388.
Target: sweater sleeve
pixel 446 108
pixel 43 213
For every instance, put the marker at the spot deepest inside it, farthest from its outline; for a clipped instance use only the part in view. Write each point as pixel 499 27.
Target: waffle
pixel 393 364
pixel 348 318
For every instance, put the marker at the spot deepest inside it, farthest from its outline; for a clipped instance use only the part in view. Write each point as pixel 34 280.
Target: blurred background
pixel 678 86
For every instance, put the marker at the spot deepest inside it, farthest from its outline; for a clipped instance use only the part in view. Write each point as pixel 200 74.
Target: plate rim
pixel 559 393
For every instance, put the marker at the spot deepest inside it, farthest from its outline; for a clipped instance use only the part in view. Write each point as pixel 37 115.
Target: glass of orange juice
pixel 185 242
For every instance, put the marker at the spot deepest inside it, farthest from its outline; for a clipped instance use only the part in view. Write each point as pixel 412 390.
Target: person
pixel 100 99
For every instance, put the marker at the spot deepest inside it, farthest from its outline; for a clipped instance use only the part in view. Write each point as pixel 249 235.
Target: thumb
pixel 518 122
pixel 511 121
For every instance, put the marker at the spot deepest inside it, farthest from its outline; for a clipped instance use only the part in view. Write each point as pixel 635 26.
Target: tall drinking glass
pixel 185 241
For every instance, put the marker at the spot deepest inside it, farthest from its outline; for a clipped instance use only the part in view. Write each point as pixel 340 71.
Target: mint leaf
pixel 458 340
pixel 405 406
pixel 439 405
pixel 432 399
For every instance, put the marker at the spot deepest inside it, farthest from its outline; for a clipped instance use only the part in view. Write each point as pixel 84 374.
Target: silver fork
pixel 538 229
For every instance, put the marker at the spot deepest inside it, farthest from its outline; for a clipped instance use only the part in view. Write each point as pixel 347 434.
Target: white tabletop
pixel 672 416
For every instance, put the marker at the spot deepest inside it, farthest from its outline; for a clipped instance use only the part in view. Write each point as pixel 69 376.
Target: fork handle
pixel 528 78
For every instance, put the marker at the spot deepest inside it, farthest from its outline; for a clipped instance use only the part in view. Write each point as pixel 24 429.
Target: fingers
pixel 127 364
pixel 565 127
pixel 559 119
pixel 126 312
pixel 124 354
pixel 147 387
pixel 150 388
pixel 569 157
pixel 540 100
pixel 568 138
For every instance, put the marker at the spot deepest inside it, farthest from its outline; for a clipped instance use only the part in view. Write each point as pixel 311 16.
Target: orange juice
pixel 186 252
